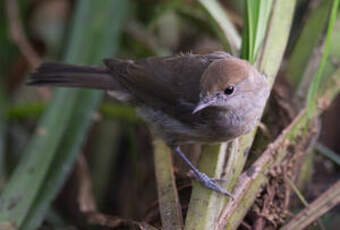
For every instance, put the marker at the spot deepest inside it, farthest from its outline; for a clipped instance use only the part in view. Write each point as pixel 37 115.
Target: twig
pixel 18 36
pixel 325 202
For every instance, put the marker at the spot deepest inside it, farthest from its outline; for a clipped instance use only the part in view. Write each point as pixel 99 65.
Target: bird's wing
pixel 170 84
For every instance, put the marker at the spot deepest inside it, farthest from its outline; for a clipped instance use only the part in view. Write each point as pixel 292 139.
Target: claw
pixel 210 183
pixel 192 175
pixel 219 180
pixel 203 178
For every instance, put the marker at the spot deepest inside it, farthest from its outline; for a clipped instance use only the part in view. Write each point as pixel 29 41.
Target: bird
pixel 187 98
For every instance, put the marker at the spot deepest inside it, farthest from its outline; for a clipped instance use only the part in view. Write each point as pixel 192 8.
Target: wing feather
pixel 170 84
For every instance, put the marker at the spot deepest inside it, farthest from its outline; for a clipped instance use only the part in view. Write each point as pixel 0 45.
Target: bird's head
pixel 231 83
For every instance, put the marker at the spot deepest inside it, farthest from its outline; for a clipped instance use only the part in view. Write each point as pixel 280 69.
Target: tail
pixel 64 75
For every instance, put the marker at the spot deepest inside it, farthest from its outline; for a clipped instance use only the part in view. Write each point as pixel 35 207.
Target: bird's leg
pixel 202 177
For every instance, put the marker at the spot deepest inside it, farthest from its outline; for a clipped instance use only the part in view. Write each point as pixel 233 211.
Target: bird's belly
pixel 173 131
pixel 176 132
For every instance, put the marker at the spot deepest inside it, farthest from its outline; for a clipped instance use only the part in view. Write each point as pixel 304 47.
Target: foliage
pixel 112 144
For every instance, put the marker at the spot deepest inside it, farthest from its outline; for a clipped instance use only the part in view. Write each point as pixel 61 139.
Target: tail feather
pixel 65 75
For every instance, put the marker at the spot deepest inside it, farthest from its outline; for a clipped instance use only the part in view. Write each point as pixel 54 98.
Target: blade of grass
pixel 262 21
pixel 330 154
pixel 276 39
pixel 306 169
pixel 315 85
pixel 63 161
pixel 95 23
pixel 224 28
pixel 256 19
pixel 334 53
pixel 40 174
pixel 310 35
pixel 314 62
pixel 24 184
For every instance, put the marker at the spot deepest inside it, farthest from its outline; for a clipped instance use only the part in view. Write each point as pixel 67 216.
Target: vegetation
pixel 74 158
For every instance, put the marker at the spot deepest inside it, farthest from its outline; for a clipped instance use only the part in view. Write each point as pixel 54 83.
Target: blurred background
pixel 102 159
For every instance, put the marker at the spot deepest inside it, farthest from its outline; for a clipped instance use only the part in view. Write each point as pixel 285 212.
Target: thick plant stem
pixel 250 182
pixel 169 205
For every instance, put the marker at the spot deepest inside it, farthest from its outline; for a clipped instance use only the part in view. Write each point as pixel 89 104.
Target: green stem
pixel 169 206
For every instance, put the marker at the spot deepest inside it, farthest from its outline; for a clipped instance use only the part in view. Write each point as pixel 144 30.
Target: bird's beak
pixel 204 104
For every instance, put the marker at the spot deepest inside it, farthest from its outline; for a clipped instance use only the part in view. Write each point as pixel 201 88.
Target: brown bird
pixel 188 98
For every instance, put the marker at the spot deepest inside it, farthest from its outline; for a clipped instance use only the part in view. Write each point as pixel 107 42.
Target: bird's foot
pixel 193 175
pixel 211 183
pixel 202 177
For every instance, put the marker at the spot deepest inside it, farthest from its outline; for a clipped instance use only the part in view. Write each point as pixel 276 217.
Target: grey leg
pixel 202 177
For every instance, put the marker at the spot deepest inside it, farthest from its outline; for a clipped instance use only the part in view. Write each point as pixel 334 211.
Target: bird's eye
pixel 229 90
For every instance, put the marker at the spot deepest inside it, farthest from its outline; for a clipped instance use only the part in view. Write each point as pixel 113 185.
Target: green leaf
pixel 315 85
pixel 304 46
pixel 256 19
pixel 223 26
pixel 329 153
pixel 24 184
pixel 62 129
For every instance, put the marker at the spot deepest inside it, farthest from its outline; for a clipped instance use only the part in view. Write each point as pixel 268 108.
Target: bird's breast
pixel 209 126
